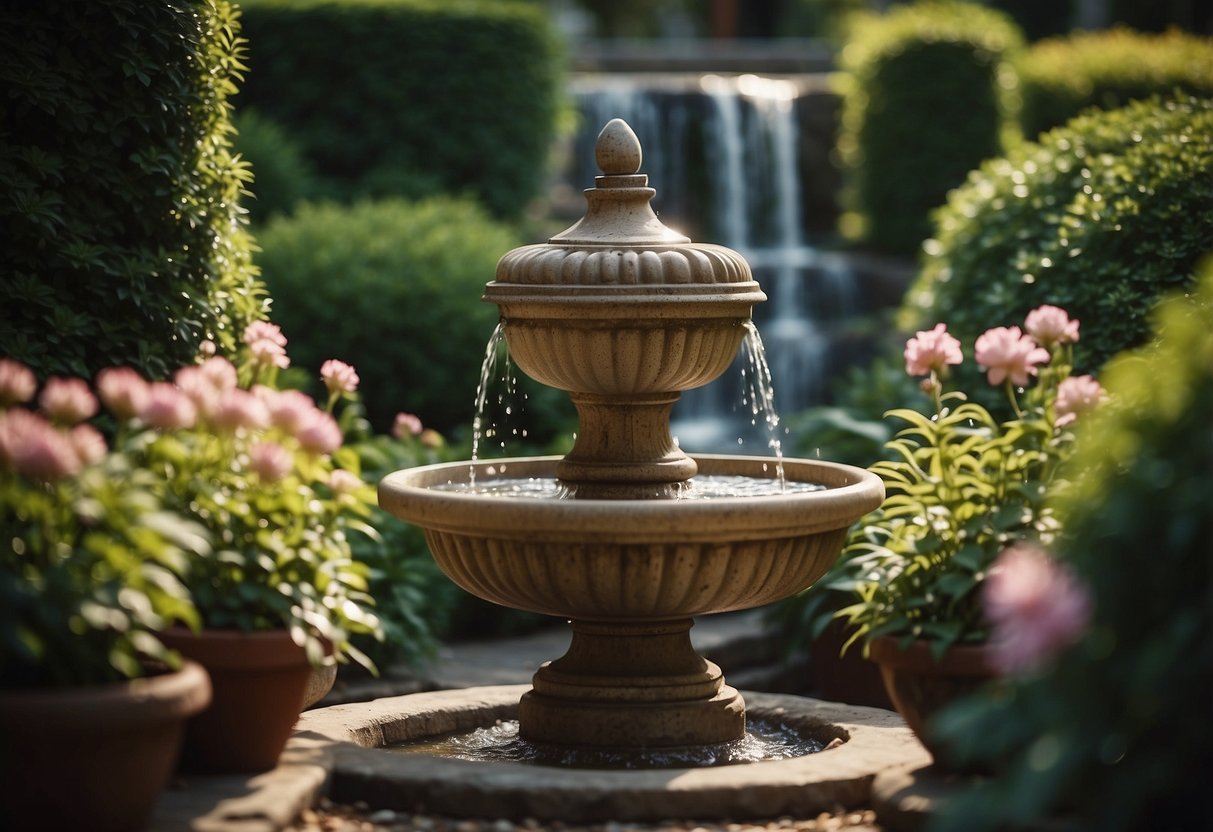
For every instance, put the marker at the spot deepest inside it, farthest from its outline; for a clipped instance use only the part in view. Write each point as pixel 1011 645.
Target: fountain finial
pixel 617 151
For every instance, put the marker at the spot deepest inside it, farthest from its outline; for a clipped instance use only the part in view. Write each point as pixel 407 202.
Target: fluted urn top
pixel 620 240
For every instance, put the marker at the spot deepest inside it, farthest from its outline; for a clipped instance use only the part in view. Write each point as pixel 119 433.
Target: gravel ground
pixel 327 817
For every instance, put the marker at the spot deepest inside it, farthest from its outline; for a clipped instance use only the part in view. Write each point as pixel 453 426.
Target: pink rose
pixel 167 407
pixel 123 390
pixel 270 461
pixel 1005 352
pixel 33 447
pixel 1051 325
pixel 17 382
pixel 1076 396
pixel 930 350
pixel 321 434
pixel 1035 608
pixel 338 376
pixel 68 400
pixel 406 424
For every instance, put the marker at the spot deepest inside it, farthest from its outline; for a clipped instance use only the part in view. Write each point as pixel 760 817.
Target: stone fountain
pixel 625 314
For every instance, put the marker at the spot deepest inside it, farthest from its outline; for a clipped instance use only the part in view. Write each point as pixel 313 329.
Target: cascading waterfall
pixel 744 130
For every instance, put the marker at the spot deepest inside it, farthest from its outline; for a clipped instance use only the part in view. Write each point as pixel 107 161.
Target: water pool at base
pixel 765 740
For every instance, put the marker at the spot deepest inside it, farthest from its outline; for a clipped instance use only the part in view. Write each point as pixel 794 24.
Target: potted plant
pixel 92 705
pixel 278 593
pixel 963 486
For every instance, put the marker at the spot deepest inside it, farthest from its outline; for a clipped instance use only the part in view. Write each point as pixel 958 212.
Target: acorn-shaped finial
pixel 617 151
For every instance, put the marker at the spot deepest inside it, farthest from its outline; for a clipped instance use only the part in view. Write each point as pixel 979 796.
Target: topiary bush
pixel 410 97
pixel 392 287
pixel 1061 77
pixel 124 242
pixel 928 93
pixel 1115 734
pixel 1100 217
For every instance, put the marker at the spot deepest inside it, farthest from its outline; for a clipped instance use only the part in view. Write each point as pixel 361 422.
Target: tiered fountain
pixel 624 314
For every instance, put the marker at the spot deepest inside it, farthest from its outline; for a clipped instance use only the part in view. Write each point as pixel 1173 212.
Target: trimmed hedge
pixel 123 239
pixel 928 93
pixel 282 176
pixel 392 287
pixel 410 97
pixel 1063 76
pixel 1100 217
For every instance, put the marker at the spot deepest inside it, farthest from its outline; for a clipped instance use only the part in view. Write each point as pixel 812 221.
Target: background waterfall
pixel 722 153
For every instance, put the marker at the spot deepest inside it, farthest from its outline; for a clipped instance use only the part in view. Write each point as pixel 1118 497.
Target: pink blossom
pixel 17 382
pixel 338 376
pixel 1035 608
pixel 68 400
pixel 1005 352
pixel 207 348
pixel 33 447
pixel 929 350
pixel 220 372
pixel 1076 396
pixel 123 390
pixel 270 461
pixel 342 481
pixel 289 410
pixel 235 408
pixel 88 443
pixel 267 344
pixel 167 407
pixel 406 424
pixel 264 331
pixel 195 384
pixel 320 435
pixel 1051 325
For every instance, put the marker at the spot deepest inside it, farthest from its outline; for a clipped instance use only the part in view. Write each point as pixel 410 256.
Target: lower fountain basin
pixel 873 740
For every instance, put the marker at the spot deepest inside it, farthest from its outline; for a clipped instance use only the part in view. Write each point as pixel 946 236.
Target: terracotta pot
pixel 260 682
pixel 920 686
pixel 93 757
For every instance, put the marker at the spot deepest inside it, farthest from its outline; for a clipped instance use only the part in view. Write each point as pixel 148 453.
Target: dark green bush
pixel 1063 76
pixel 1100 217
pixel 1115 735
pixel 410 97
pixel 123 239
pixel 392 287
pixel 928 93
pixel 282 176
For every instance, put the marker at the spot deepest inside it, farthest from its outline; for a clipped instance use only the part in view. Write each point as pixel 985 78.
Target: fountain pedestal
pixel 631 685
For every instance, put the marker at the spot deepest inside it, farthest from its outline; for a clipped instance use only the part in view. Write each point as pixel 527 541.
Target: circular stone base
pixel 873 740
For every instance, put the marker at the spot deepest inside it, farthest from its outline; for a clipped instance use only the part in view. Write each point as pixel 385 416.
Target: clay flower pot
pixel 93 757
pixel 260 682
pixel 920 686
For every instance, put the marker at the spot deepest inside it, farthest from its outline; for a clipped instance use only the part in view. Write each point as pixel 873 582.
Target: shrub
pixel 928 93
pixel 1100 217
pixel 410 97
pixel 1063 76
pixel 282 176
pixel 393 287
pixel 1115 733
pixel 123 239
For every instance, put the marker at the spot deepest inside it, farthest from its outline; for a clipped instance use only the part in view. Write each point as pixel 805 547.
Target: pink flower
pixel 33 447
pixel 406 424
pixel 270 461
pixel 342 481
pixel 88 443
pixel 195 384
pixel 267 344
pixel 220 372
pixel 929 350
pixel 123 390
pixel 207 348
pixel 320 435
pixel 1035 608
pixel 236 408
pixel 1076 396
pixel 68 400
pixel 1005 352
pixel 338 376
pixel 1051 325
pixel 264 331
pixel 289 410
pixel 17 382
pixel 168 408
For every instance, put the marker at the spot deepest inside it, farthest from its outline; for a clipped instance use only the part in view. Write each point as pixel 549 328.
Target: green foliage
pixel 928 93
pixel 1115 734
pixel 282 176
pixel 1061 77
pixel 123 239
pixel 392 287
pixel 410 97
pixel 1100 217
